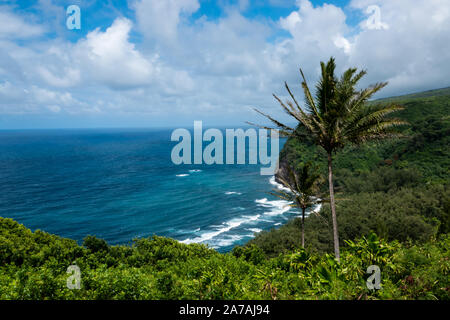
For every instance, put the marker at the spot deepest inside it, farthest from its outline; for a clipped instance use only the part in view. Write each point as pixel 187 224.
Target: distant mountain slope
pixel 423 94
pixel 434 103
pixel 425 146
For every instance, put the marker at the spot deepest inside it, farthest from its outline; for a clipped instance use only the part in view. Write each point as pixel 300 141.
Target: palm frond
pixel 282 133
pixel 309 99
pixel 274 121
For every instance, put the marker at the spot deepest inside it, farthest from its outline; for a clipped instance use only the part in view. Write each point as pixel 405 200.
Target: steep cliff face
pixel 282 171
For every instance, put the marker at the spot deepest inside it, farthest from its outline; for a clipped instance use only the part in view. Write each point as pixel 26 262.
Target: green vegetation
pixel 33 266
pixel 398 188
pixel 416 214
pixel 425 147
pixel 336 116
pixel 304 191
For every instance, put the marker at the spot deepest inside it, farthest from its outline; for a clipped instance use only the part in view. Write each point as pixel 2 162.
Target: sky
pixel 166 63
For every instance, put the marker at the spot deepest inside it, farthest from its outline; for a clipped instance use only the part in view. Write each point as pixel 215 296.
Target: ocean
pixel 120 184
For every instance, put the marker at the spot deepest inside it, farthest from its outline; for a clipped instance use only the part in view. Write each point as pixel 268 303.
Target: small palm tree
pixel 337 115
pixel 304 190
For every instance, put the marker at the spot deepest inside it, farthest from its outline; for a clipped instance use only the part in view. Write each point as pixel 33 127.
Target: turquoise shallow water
pixel 121 184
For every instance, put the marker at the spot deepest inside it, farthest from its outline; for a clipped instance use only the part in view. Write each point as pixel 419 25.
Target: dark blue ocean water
pixel 122 184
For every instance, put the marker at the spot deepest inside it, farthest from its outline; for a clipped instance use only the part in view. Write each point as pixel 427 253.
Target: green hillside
pixel 425 146
pixel 398 188
pixel 33 265
pixel 393 211
pixel 423 94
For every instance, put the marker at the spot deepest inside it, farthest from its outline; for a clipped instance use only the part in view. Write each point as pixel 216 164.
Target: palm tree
pixel 337 115
pixel 304 192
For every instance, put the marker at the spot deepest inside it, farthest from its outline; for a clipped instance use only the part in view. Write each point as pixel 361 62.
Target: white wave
pixel 277 224
pixel 227 226
pixel 317 208
pixel 278 185
pixel 195 170
pixel 281 187
pixel 256 230
pixel 182 175
pixel 277 207
pixel 232 192
pixel 227 241
pixel 308 212
pixel 251 218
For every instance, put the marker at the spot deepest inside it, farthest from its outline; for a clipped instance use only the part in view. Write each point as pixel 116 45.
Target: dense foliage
pixel 33 266
pixel 335 115
pixel 398 188
pixel 424 147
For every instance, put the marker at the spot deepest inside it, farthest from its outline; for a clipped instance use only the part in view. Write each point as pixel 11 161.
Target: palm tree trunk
pixel 333 209
pixel 303 227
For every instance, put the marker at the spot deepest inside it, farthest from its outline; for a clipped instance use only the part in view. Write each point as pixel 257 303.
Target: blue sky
pixel 101 14
pixel 146 63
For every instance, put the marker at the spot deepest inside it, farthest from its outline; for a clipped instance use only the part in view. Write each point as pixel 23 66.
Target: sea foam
pixel 225 227
pixel 278 185
pixel 232 192
pixel 277 207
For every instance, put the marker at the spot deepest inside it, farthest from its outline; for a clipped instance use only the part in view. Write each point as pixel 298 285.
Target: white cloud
pixel 110 58
pixel 206 69
pixel 54 108
pixel 290 22
pixel 160 19
pixel 342 43
pixel 374 20
pixel 406 44
pixel 413 53
pixel 35 99
pixel 10 93
pixel 69 77
pixel 13 26
pixel 317 33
